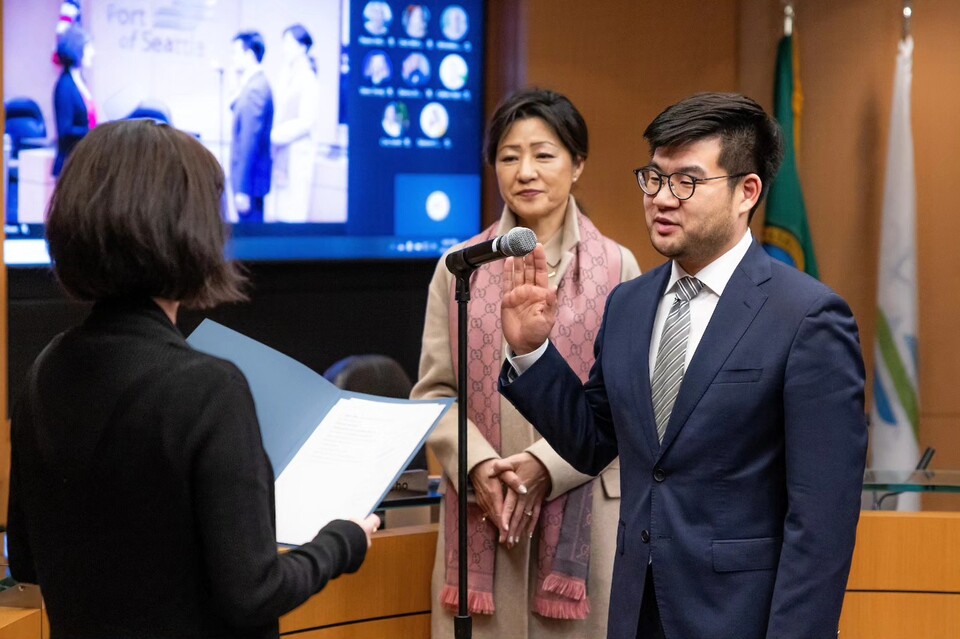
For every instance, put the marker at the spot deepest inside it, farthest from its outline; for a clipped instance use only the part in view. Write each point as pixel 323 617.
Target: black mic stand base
pixel 463 627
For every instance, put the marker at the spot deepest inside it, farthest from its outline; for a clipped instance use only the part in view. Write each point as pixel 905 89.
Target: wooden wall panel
pixel 847 57
pixel 621 63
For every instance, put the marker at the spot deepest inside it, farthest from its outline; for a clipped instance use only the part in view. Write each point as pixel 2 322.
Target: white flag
pixel 896 408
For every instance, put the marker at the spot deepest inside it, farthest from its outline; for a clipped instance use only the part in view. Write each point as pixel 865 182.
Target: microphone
pixel 516 243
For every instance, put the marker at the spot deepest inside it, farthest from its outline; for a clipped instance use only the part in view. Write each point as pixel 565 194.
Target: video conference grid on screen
pixel 375 138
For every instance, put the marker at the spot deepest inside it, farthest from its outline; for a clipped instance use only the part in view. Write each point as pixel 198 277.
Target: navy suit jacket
pixel 72 119
pixel 749 507
pixel 250 162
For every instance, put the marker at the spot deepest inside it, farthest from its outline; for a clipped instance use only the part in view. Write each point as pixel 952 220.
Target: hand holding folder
pixel 335 454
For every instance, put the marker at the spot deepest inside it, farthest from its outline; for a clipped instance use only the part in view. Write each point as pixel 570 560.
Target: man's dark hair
pixel 750 140
pixel 137 212
pixel 551 107
pixel 252 41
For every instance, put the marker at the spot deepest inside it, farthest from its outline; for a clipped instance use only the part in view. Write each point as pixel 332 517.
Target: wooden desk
pixel 20 623
pixel 904 584
pixel 905 579
pixel 388 597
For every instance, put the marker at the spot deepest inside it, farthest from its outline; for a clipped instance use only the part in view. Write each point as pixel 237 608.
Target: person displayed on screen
pixel 396 119
pixel 294 129
pixel 377 17
pixel 545 572
pixel 454 72
pixel 434 120
pixel 73 103
pixel 252 106
pixel 137 461
pixel 377 67
pixel 415 19
pixel 454 22
pixel 730 384
pixel 416 69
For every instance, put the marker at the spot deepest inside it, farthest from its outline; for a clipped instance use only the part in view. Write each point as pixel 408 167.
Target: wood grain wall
pixel 847 56
pixel 624 63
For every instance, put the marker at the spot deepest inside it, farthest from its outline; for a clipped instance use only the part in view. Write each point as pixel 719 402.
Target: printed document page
pixel 335 454
pixel 349 463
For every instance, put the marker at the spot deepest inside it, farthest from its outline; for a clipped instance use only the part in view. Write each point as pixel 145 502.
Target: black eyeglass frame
pixel 694 180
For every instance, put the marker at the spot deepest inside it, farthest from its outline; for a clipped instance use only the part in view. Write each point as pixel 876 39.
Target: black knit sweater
pixel 141 496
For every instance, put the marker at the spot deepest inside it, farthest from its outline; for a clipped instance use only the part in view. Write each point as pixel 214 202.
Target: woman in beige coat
pixel 294 130
pixel 545 572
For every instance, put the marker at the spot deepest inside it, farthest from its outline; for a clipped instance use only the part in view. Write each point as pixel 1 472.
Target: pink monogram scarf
pixel 564 527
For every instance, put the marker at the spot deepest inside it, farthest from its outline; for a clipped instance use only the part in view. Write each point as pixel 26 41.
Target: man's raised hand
pixel 529 306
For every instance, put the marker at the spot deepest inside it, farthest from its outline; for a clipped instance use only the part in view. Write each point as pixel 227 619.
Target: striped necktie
pixel 669 369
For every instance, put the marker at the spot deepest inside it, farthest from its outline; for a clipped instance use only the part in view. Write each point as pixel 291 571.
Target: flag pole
pixel 907 14
pixel 787 18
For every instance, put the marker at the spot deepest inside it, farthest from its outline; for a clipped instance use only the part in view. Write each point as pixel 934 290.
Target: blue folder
pixel 291 399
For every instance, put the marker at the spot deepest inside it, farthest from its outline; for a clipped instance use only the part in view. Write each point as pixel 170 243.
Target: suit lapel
pixel 644 309
pixel 736 309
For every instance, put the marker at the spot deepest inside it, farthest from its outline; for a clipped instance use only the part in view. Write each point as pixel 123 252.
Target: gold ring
pixel 528 513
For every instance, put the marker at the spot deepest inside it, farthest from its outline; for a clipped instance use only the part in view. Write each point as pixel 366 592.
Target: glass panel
pixel 944 481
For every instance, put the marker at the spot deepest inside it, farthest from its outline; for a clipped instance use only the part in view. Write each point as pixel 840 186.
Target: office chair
pixel 24 124
pixel 152 110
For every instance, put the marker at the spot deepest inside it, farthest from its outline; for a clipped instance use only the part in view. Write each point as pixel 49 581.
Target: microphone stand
pixel 519 241
pixel 463 623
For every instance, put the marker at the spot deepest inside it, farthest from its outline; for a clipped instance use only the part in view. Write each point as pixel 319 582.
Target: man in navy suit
pixel 250 161
pixel 739 514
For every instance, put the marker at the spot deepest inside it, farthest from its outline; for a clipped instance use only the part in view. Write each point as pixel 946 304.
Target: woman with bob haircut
pixel 540 562
pixel 141 497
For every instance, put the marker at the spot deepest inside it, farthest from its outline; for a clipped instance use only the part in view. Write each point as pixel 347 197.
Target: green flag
pixel 786 233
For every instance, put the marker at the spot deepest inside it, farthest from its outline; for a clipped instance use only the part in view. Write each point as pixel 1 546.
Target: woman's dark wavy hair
pixel 553 108
pixel 137 212
pixel 750 140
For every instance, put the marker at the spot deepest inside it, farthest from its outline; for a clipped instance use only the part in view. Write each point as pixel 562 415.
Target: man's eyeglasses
pixel 682 185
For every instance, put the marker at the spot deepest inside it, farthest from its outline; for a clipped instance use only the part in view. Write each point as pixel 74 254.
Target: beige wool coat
pixel 516 569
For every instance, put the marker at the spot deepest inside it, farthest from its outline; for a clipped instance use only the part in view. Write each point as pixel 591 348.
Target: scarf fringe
pixel 568 587
pixel 556 609
pixel 479 603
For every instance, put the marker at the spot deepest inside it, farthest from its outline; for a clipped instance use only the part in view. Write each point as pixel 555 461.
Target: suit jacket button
pixel 659 475
pixel 645 536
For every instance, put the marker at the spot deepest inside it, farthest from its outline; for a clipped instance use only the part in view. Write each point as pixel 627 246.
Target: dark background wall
pixel 316 312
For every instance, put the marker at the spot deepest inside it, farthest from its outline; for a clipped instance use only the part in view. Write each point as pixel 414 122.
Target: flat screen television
pixel 390 165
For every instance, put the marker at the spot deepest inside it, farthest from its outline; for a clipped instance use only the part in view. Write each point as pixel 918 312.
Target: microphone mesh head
pixel 519 242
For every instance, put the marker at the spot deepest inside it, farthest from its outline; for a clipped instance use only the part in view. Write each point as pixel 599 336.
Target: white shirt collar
pixel 717 273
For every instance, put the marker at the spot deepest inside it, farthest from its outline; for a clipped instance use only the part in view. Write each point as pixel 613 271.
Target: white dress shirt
pixel 714 277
